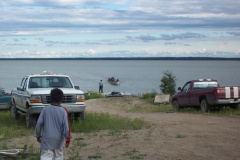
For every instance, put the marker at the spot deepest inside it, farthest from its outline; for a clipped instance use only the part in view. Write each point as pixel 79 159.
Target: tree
pixel 168 83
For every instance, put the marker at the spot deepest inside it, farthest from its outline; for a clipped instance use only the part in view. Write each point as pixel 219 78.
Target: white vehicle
pixel 33 95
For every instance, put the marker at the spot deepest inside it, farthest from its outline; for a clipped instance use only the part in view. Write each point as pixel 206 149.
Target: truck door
pixel 183 99
pixel 18 94
pixel 21 93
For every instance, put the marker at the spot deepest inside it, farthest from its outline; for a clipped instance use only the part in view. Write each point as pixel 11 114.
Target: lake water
pixel 136 76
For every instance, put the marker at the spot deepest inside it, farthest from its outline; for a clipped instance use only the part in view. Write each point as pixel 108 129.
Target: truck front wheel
pixel 80 115
pixel 204 106
pixel 176 106
pixel 31 119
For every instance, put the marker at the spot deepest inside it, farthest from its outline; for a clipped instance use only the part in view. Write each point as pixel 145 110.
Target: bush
pixel 168 83
pixel 149 96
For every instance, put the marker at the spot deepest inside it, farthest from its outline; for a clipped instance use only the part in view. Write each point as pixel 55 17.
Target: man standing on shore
pixel 100 87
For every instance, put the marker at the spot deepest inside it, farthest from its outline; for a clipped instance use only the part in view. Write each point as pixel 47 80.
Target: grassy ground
pixel 10 127
pixel 93 95
pixel 148 97
pixel 97 122
pixel 94 122
pixel 224 111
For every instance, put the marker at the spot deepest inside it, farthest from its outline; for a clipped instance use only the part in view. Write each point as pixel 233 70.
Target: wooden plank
pixel 161 98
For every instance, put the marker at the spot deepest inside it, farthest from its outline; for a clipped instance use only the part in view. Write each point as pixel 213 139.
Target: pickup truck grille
pixel 66 99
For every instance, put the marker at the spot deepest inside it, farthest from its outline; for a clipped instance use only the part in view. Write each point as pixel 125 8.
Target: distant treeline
pixel 126 58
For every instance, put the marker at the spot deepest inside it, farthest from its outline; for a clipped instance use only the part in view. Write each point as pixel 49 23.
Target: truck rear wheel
pixel 236 106
pixel 15 111
pixel 204 106
pixel 176 106
pixel 31 119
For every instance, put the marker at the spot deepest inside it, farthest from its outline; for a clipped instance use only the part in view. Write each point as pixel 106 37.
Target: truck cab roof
pixel 203 80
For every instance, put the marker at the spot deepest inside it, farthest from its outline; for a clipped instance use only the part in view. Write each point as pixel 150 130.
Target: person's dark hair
pixel 56 95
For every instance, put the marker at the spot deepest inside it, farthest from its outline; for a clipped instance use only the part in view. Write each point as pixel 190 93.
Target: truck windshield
pixel 205 84
pixel 49 82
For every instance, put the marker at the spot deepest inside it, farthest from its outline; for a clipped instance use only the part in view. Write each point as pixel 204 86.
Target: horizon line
pixel 126 58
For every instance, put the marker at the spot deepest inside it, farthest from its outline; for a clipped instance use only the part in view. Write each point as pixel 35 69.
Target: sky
pixel 119 28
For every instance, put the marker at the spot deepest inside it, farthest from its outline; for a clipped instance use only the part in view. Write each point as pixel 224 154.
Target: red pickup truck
pixel 205 93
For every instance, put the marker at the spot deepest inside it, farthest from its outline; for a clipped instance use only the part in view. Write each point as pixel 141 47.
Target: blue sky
pixel 119 28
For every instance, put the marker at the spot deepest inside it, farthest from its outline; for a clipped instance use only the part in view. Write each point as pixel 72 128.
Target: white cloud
pixel 203 50
pixel 237 52
pixel 152 28
pixel 91 52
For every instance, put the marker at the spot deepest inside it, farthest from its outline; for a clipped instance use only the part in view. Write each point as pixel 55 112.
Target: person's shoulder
pixel 64 108
pixel 46 107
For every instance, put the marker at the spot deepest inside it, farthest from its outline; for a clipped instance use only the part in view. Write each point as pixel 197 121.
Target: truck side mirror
pixel 77 87
pixel 179 88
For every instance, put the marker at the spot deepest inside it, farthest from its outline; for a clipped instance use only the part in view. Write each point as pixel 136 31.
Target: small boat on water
pixel 113 81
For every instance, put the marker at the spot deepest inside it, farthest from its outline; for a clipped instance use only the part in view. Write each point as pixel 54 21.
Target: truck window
pixel 22 83
pixel 50 82
pixel 186 87
pixel 205 84
pixel 25 83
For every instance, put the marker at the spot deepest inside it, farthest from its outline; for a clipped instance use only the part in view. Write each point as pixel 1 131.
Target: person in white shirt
pixel 100 87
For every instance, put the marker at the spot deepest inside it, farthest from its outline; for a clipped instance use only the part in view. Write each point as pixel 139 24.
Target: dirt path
pixel 201 137
pixel 205 137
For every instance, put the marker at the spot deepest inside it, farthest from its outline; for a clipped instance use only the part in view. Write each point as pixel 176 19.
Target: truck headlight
pixel 80 98
pixel 36 99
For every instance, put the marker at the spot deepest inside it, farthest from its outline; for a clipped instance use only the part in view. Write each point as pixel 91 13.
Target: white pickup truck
pixel 33 95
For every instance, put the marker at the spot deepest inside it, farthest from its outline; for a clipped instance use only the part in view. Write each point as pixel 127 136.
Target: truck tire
pixel 204 106
pixel 176 106
pixel 31 119
pixel 236 106
pixel 15 111
pixel 80 115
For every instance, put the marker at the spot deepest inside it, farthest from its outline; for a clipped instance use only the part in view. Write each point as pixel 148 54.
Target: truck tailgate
pixel 228 92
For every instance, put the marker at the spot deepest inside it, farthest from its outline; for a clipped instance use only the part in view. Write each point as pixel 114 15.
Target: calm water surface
pixel 136 76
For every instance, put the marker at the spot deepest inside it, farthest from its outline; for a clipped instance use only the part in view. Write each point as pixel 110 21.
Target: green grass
pixel 180 136
pixel 134 154
pixel 96 156
pixel 152 108
pixel 93 95
pixel 225 111
pixel 10 127
pixel 96 122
